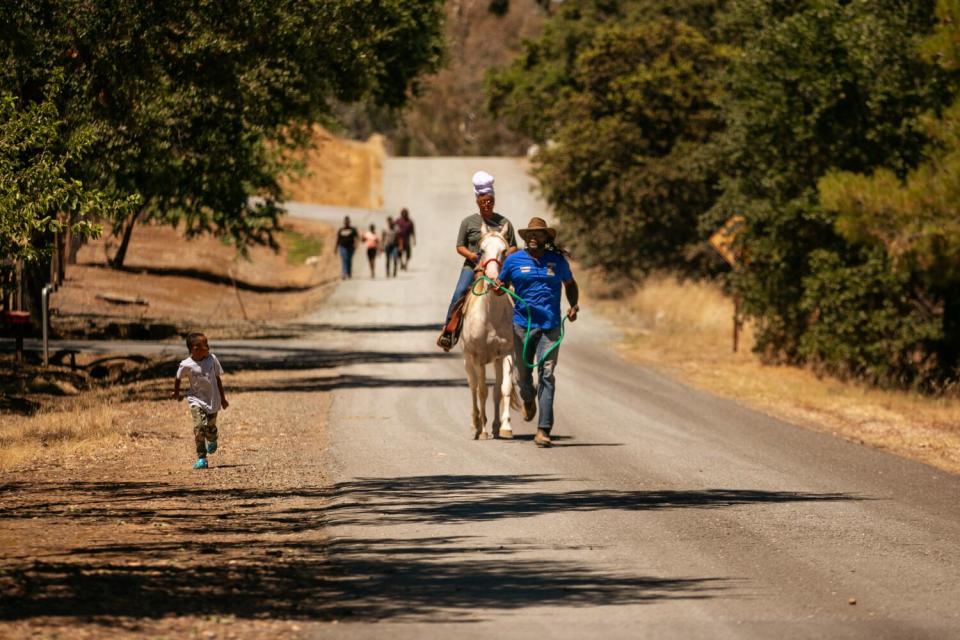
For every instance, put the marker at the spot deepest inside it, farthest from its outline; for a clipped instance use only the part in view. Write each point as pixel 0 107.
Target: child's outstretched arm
pixel 223 398
pixel 176 390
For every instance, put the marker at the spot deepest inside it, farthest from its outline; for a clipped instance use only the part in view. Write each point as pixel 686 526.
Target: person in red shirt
pixel 406 237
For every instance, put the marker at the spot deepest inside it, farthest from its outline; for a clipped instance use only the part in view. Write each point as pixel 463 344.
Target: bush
pixel 864 320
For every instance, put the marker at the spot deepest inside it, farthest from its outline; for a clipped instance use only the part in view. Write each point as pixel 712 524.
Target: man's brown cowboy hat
pixel 538 224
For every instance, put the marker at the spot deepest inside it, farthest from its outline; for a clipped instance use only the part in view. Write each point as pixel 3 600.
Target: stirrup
pixel 445 341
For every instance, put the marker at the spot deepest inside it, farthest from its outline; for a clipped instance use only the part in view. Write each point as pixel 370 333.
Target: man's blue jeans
pixel 540 340
pixel 346 261
pixel 463 283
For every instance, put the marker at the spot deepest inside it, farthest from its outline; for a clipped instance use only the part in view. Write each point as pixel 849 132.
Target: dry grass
pixel 685 328
pixel 340 172
pixel 68 430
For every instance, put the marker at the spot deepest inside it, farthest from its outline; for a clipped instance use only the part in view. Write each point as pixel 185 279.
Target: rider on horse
pixel 467 246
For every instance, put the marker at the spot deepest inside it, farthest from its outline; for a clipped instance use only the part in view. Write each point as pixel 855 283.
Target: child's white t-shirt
pixel 203 391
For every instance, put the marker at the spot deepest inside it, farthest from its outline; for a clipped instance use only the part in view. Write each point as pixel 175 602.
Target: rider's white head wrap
pixel 482 183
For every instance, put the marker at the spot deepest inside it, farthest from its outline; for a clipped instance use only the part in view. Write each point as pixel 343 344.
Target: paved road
pixel 663 512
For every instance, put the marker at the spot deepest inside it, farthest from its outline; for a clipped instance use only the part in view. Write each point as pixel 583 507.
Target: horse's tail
pixel 515 403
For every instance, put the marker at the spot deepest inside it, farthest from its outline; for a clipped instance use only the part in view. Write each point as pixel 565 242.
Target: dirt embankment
pixel 346 173
pixel 170 284
pixel 170 281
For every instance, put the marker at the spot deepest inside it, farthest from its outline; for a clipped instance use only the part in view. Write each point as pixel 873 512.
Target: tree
pixel 815 86
pixel 621 96
pixel 37 196
pixel 914 222
pixel 194 106
pixel 530 93
pixel 627 171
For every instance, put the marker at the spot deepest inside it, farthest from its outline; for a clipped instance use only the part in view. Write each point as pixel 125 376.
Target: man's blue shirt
pixel 538 282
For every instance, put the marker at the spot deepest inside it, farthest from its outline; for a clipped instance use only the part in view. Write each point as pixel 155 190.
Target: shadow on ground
pixel 284 358
pixel 206 276
pixel 263 553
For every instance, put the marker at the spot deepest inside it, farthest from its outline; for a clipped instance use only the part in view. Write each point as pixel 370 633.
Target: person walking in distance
pixel 468 244
pixel 346 245
pixel 537 274
pixel 372 242
pixel 406 237
pixel 205 394
pixel 389 243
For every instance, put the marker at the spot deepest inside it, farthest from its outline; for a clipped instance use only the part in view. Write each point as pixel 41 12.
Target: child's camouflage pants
pixel 204 429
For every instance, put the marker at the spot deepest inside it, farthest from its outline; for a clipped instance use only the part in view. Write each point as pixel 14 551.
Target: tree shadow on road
pixel 451 499
pixel 346 381
pixel 151 549
pixel 158 391
pixel 284 358
pixel 262 553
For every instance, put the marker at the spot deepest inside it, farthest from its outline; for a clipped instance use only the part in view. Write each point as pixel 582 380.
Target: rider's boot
pixel 451 331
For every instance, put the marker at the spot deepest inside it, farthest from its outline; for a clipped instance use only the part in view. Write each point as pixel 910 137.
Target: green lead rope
pixel 526 336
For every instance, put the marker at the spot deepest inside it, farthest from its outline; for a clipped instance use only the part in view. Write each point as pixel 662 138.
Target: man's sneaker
pixel 542 439
pixel 529 410
pixel 212 446
pixel 200 464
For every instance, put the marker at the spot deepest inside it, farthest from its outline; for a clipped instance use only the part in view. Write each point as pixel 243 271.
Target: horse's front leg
pixel 476 381
pixel 497 374
pixel 482 432
pixel 501 396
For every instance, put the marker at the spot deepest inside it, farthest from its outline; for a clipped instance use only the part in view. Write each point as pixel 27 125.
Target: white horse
pixel 487 336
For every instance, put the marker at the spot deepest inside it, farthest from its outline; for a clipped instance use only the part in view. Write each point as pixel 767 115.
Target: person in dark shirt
pixel 468 244
pixel 346 245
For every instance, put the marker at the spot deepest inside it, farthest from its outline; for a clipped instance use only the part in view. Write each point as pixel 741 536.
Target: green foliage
pixel 914 220
pixel 627 172
pixel 37 196
pixel 531 94
pixel 622 96
pixel 194 105
pixel 865 321
pixel 943 46
pixel 821 122
pixel 301 246
pixel 814 86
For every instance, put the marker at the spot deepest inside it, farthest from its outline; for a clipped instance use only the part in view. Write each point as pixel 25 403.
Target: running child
pixel 204 395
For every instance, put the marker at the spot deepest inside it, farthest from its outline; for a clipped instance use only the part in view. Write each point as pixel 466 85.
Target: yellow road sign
pixel 723 240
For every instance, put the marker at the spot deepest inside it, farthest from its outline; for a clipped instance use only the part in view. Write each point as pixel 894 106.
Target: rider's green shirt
pixel 470 234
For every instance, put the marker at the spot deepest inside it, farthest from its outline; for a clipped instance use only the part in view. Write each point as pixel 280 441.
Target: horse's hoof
pixel 506 434
pixel 485 435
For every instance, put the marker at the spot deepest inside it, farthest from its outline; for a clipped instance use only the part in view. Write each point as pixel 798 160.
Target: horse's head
pixel 492 249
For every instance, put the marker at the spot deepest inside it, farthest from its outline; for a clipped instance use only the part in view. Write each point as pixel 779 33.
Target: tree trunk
pixel 73 246
pixel 58 267
pixel 121 254
pixel 950 352
pixel 35 277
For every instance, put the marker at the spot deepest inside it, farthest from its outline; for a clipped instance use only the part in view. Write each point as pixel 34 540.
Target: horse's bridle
pixel 483 265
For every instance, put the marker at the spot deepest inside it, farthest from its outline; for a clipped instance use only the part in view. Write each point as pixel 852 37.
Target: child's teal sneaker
pixel 200 464
pixel 212 446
